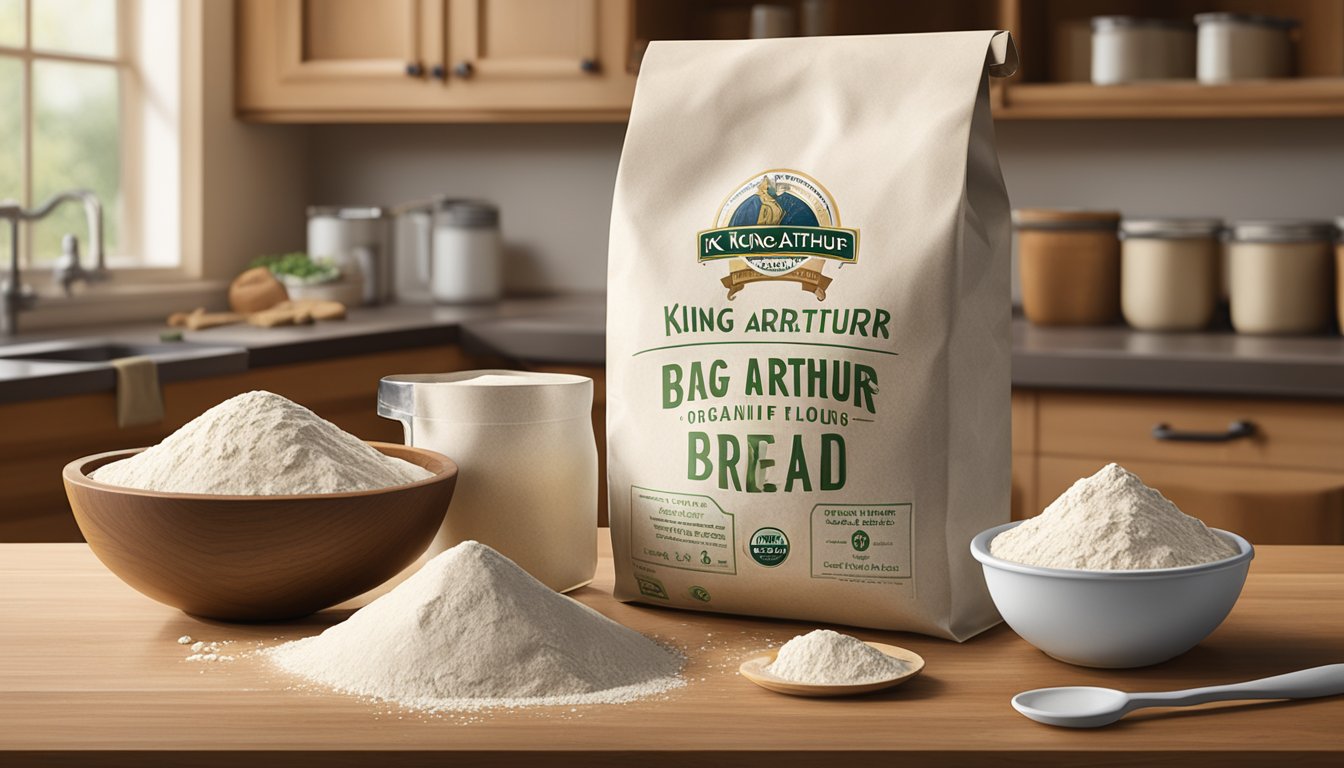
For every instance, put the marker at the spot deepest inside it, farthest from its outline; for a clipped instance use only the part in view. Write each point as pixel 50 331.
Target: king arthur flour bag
pixel 808 330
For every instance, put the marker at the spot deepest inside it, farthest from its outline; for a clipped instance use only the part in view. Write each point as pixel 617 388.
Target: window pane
pixel 11 127
pixel 87 27
pixel 76 143
pixel 11 23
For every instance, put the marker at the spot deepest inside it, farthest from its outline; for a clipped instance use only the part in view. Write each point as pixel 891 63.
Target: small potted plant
pixel 305 277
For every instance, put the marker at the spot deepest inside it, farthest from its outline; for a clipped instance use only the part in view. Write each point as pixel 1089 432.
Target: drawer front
pixel 1267 506
pixel 1287 434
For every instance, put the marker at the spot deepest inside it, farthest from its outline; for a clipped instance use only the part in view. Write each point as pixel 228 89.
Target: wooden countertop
pixel 91 669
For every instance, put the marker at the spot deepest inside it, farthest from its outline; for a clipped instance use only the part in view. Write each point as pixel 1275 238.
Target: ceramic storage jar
pixel 1169 272
pixel 1128 49
pixel 1279 275
pixel 1069 265
pixel 1244 46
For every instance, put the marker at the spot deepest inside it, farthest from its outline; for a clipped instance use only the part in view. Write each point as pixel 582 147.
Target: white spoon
pixel 1088 707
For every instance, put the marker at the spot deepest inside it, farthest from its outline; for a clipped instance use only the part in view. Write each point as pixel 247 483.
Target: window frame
pixel 129 252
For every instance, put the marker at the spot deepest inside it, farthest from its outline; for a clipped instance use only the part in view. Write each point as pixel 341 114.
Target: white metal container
pixel 1169 272
pixel 1128 49
pixel 1279 275
pixel 465 252
pixel 358 239
pixel 527 463
pixel 1244 46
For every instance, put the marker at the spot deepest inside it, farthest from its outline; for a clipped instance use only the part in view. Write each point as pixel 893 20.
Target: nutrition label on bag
pixel 681 530
pixel 862 542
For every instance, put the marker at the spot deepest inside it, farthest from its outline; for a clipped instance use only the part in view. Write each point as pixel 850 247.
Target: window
pixel 65 73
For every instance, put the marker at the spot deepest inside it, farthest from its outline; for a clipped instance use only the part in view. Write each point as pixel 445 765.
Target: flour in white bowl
pixel 471 630
pixel 1111 521
pixel 260 444
pixel 825 657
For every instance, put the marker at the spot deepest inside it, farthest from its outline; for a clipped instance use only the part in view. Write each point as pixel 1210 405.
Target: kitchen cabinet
pixel 42 436
pixel 433 60
pixel 1281 484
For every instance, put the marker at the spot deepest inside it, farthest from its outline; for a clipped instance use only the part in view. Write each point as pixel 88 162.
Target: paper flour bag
pixel 808 330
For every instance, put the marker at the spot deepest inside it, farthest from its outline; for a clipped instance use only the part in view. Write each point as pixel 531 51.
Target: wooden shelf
pixel 1314 97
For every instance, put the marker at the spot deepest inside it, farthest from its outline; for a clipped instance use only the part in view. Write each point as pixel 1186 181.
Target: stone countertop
pixel 572 330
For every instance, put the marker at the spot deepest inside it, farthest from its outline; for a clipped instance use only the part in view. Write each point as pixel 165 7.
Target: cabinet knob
pixel 438 72
pixel 415 69
pixel 463 69
pixel 589 65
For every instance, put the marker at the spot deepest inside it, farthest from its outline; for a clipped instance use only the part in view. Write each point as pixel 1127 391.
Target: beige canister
pixel 527 463
pixel 1280 275
pixel 1169 272
pixel 1069 265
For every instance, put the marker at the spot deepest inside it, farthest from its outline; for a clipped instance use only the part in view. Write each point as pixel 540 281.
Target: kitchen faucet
pixel 14 295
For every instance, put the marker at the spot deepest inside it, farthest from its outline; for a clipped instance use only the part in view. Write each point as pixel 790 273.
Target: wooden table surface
pixel 90 672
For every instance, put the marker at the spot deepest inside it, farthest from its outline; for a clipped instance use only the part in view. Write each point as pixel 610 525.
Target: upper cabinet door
pixel 525 38
pixel 337 57
pixel 349 39
pixel 550 55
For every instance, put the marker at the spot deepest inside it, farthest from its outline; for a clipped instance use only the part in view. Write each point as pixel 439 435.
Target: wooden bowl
pixel 259 558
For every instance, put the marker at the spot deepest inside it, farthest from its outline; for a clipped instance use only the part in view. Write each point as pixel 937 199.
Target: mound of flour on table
pixel 1111 521
pixel 260 444
pixel 472 630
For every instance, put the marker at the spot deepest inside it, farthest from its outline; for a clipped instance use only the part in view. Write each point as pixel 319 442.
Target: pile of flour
pixel 260 444
pixel 471 630
pixel 1111 521
pixel 823 657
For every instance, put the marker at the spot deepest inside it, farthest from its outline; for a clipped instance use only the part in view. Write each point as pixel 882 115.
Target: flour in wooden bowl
pixel 260 444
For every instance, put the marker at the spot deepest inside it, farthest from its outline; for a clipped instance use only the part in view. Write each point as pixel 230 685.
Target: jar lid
pixel 1258 19
pixel 1167 228
pixel 466 213
pixel 1065 219
pixel 1104 23
pixel 349 212
pixel 1280 231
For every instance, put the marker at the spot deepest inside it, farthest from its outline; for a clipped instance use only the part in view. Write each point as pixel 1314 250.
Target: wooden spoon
pixel 754 670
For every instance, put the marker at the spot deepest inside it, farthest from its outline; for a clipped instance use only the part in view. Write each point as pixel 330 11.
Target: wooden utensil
pixel 259 558
pixel 754 670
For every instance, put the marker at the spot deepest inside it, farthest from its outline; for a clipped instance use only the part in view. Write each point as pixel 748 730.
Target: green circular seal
pixel 768 546
pixel 860 541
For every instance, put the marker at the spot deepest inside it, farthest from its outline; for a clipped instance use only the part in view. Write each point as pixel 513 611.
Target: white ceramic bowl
pixel 1114 619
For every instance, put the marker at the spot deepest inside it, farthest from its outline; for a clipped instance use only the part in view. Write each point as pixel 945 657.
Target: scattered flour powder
pixel 1111 521
pixel 824 657
pixel 260 444
pixel 471 630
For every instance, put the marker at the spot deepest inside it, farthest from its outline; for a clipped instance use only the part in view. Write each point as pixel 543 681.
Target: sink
pixel 97 352
pixel 78 365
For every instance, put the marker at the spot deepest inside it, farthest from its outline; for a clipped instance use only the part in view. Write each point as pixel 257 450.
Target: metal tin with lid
pixel 1244 46
pixel 1279 274
pixel 358 238
pixel 1169 272
pixel 1127 49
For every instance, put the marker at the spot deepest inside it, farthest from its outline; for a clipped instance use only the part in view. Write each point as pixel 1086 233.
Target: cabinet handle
pixel 463 69
pixel 438 72
pixel 589 65
pixel 1235 431
pixel 414 69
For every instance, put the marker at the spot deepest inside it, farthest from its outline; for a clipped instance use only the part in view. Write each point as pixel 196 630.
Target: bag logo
pixel 778 225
